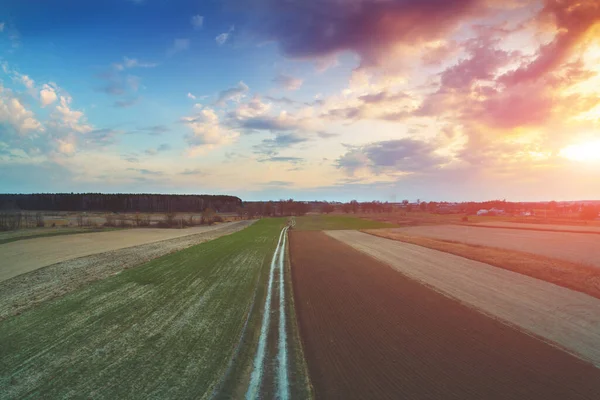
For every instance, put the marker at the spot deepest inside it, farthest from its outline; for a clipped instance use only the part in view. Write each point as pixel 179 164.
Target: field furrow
pixel 370 332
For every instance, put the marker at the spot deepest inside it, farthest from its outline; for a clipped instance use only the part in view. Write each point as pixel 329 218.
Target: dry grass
pixel 562 273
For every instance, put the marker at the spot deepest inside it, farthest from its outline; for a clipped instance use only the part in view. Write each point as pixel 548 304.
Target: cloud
pixel 14 113
pixel 126 103
pixel 129 63
pixel 224 37
pixel 27 81
pixel 282 100
pixel 197 21
pixel 373 29
pixel 392 156
pixel 290 160
pixel 1 26
pixel 100 137
pixel 70 119
pixel 114 88
pixel 47 95
pixel 191 96
pixel 288 82
pixel 207 132
pixel 195 171
pixel 154 130
pixel 278 183
pixel 573 23
pixel 281 141
pixel 145 171
pixel 178 46
pixel 234 93
pixel 160 149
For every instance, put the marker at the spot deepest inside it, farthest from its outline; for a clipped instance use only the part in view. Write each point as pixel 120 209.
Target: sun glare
pixel 585 152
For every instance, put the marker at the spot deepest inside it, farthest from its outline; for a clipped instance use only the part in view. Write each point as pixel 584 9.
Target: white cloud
pixel 68 118
pixel 47 95
pixel 66 146
pixel 207 132
pixel 178 46
pixel 14 113
pixel 1 26
pixel 235 93
pixel 27 81
pixel 223 37
pixel 191 96
pixel 197 21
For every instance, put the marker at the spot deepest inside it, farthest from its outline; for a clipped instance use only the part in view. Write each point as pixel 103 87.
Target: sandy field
pixel 370 332
pixel 575 247
pixel 27 255
pixel 565 317
pixel 540 227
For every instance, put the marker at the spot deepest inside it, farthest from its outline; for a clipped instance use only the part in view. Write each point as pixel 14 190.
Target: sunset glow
pixel 584 152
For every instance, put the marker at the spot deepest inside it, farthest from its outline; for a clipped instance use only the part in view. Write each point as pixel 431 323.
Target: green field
pixel 334 222
pixel 168 329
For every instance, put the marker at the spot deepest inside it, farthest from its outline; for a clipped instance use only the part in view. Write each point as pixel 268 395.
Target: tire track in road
pixel 256 377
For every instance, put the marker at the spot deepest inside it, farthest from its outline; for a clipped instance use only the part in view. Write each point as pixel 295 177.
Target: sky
pixel 334 100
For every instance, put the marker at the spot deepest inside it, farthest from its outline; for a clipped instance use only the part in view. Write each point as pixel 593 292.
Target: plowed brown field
pixel 371 333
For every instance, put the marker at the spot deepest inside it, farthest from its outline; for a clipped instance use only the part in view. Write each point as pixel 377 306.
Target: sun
pixel 584 152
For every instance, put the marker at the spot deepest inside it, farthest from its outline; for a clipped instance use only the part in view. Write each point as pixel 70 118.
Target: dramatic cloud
pixel 178 46
pixel 392 156
pixel 234 93
pixel 288 82
pixel 373 29
pixel 573 20
pixel 197 21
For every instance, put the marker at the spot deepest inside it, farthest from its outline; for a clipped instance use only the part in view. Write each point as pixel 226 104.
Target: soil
pixel 561 316
pixel 579 248
pixel 370 332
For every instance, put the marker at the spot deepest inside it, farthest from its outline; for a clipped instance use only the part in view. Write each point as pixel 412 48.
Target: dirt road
pixel 28 255
pixel 580 248
pixel 369 332
pixel 566 317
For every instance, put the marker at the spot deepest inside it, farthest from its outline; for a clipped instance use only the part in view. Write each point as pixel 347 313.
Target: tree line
pixel 162 203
